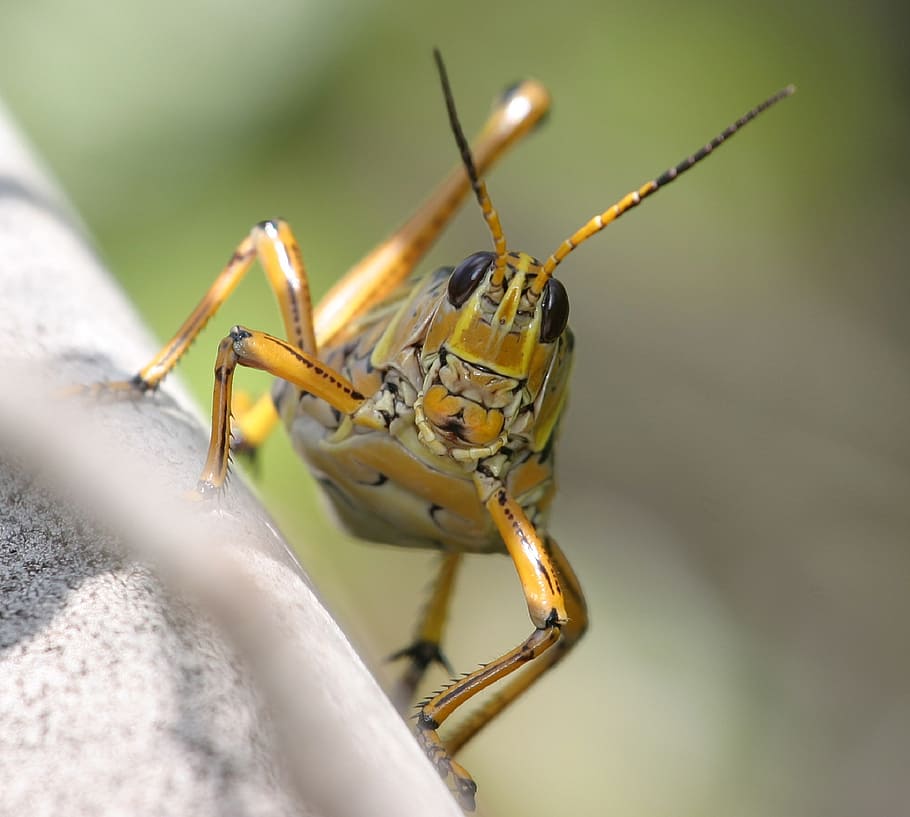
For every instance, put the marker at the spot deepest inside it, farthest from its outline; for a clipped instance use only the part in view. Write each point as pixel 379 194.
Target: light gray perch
pixel 179 663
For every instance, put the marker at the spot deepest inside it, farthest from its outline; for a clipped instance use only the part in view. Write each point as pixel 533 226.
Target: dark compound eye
pixel 468 274
pixel 555 306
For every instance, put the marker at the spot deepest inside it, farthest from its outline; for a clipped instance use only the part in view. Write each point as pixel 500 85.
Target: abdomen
pixel 382 491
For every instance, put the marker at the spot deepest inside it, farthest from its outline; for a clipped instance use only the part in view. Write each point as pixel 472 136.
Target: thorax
pixel 392 481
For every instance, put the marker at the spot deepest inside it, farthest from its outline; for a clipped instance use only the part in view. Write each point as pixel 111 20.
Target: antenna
pixel 633 199
pixel 480 188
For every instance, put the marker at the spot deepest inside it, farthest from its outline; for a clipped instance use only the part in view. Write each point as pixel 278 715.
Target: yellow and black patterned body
pixel 453 389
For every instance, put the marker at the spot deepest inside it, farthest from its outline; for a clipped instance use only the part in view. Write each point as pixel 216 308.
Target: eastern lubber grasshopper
pixel 427 407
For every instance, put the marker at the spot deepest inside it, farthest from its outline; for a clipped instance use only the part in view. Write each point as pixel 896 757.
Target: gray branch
pixel 157 656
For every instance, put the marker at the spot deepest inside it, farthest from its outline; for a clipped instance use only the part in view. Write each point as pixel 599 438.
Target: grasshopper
pixel 427 407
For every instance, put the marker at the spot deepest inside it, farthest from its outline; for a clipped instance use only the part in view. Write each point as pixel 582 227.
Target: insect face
pixel 489 345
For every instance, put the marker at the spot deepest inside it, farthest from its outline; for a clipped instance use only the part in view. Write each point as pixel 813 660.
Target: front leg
pixel 557 610
pixel 245 347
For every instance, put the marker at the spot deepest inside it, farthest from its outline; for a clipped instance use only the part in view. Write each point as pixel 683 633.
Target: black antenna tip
pixel 460 139
pixel 440 65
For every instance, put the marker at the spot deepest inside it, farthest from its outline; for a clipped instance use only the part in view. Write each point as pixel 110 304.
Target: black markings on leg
pixel 546 575
pixel 140 384
pixel 426 723
pixel 238 334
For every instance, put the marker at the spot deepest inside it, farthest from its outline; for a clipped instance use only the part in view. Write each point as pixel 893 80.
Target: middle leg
pixel 426 648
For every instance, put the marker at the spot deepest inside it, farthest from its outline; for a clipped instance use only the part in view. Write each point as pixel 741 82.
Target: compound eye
pixel 467 275
pixel 555 306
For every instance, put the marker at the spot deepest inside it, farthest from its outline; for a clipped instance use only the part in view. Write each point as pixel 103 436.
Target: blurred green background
pixel 735 463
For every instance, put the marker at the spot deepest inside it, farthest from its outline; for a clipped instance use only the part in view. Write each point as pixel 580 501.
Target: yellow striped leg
pixel 570 632
pixel 258 350
pixel 557 610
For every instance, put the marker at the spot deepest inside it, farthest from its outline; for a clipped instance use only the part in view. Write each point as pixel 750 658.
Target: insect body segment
pixel 428 408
